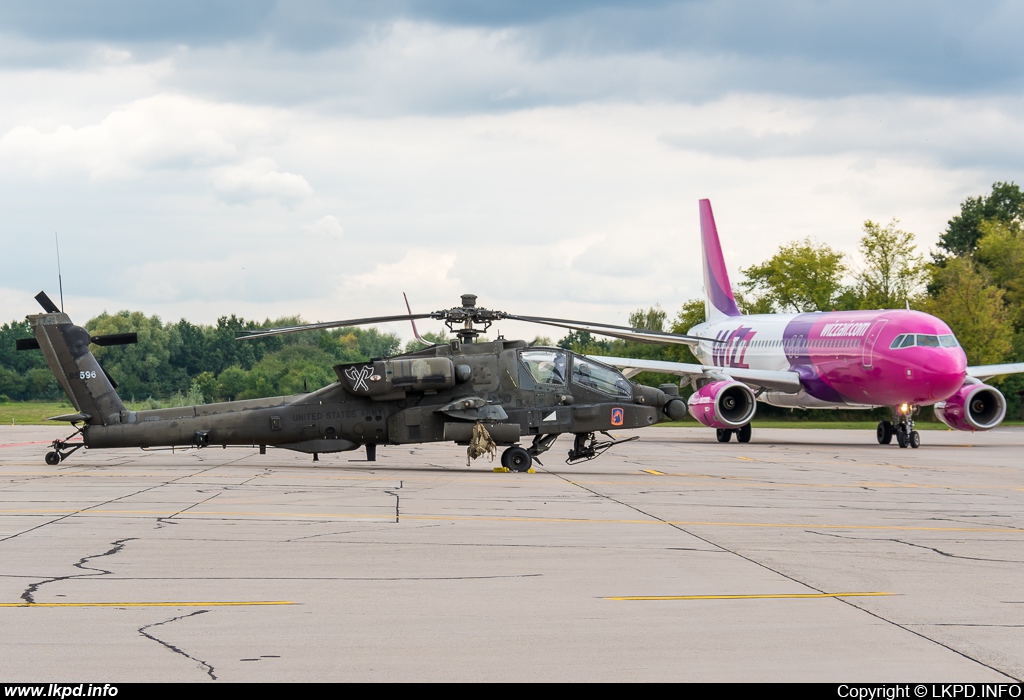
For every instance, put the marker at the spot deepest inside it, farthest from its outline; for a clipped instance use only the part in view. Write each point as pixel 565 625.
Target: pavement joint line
pixel 758 596
pixel 493 518
pixel 169 604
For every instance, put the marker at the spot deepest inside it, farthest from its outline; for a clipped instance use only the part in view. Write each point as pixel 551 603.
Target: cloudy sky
pixel 319 158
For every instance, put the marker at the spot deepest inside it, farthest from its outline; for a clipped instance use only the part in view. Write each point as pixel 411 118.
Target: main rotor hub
pixel 471 320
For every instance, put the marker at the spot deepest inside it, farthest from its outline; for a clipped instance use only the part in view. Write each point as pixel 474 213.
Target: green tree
pixel 973 307
pixel 802 276
pixel 1005 204
pixel 893 272
pixel 1001 250
pixel 691 314
pixel 142 369
pixel 651 319
pixel 432 338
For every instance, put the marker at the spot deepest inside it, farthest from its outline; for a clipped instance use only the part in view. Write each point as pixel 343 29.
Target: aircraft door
pixel 868 356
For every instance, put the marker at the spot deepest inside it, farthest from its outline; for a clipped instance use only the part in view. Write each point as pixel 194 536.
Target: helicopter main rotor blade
pixel 330 324
pixel 642 335
pixel 115 339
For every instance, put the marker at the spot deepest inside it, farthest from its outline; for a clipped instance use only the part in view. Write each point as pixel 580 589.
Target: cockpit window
pixel 924 341
pixel 595 376
pixel 546 366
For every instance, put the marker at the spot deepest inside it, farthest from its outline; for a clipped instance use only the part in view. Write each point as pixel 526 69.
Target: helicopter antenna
pixel 415 333
pixel 60 281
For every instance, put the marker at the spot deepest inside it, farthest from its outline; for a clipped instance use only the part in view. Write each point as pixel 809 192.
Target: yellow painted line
pixel 747 597
pixel 747 459
pixel 179 604
pixel 389 516
pixel 654 471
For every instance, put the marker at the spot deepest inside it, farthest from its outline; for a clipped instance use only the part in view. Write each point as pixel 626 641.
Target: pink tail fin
pixel 718 298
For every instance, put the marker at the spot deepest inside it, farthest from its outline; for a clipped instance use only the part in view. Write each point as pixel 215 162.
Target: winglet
pixel 415 333
pixel 718 298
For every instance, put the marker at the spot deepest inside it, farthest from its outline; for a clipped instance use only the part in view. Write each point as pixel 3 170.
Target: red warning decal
pixel 618 415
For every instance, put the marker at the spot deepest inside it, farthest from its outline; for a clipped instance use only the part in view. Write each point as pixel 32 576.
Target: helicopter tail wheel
pixel 884 432
pixel 723 434
pixel 915 439
pixel 516 459
pixel 53 458
pixel 743 434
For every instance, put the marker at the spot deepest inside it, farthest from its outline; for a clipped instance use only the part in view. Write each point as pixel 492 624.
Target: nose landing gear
pixel 902 426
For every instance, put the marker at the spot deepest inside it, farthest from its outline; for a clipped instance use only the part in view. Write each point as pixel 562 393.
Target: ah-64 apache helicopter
pixel 481 394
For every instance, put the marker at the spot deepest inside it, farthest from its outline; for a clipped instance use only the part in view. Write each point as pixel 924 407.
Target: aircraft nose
pixel 947 370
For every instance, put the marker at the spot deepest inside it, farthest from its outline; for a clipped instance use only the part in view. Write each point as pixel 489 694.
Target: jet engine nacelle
pixel 973 407
pixel 725 404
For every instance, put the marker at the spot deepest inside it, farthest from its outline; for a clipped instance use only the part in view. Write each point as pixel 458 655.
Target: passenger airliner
pixel 901 359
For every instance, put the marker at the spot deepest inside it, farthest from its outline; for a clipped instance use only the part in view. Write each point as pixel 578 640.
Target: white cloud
pixel 258 179
pixel 325 230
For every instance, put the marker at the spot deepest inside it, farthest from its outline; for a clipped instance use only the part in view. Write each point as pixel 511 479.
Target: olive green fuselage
pixel 390 401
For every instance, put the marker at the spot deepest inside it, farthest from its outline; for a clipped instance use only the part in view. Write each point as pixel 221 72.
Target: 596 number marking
pixel 86 374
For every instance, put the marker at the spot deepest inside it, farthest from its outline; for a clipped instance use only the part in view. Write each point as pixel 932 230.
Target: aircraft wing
pixel 784 381
pixel 984 372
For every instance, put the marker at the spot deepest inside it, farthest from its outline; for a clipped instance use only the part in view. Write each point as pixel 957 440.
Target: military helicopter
pixel 481 394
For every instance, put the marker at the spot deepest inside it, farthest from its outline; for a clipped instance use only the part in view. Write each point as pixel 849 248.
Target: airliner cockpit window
pixel 546 366
pixel 898 341
pixel 908 342
pixel 948 341
pixel 928 341
pixel 601 378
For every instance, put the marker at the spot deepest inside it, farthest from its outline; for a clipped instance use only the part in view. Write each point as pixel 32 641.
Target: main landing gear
pixel 901 426
pixel 62 449
pixel 742 434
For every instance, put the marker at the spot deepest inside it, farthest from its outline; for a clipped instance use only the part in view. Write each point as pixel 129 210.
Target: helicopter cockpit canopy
pixel 548 366
pixel 589 374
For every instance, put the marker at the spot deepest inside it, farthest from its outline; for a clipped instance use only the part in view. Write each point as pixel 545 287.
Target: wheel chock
pixel 501 470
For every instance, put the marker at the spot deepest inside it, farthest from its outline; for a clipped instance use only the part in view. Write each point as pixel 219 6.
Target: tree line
pixel 974 281
pixel 189 363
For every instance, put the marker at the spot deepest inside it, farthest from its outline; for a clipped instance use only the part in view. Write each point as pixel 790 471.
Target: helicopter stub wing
pixel 772 380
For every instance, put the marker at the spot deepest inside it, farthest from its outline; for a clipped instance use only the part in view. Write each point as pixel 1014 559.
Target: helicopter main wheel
pixel 53 458
pixel 723 434
pixel 743 434
pixel 915 439
pixel 516 459
pixel 884 432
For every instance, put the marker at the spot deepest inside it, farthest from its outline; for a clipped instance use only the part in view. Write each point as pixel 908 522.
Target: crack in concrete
pixel 176 650
pixel 167 519
pixel 29 594
pixel 913 544
pixel 957 556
